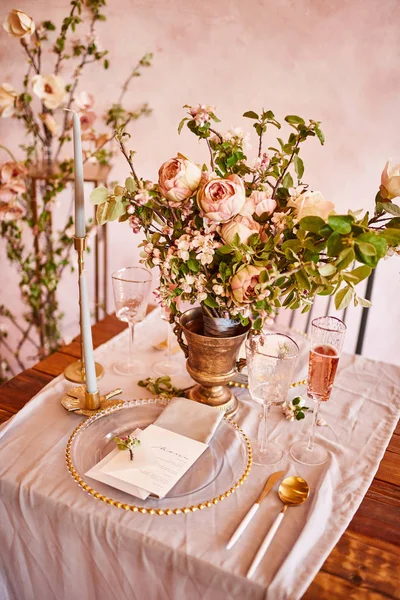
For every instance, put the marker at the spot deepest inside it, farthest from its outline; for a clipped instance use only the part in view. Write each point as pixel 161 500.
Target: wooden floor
pixel 365 564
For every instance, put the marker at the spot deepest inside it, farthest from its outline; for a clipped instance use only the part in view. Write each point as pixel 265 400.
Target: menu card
pixel 160 460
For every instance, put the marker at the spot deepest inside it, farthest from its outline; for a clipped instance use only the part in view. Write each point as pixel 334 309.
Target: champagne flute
pixel 271 360
pixel 167 366
pixel 327 337
pixel 131 287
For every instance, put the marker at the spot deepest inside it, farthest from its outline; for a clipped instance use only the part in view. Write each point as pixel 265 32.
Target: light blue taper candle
pixel 80 229
pixel 90 370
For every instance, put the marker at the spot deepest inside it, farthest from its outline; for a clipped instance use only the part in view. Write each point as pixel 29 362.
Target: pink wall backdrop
pixel 337 62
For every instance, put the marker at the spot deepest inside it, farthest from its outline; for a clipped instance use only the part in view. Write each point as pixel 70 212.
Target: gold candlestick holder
pixel 75 372
pixel 81 402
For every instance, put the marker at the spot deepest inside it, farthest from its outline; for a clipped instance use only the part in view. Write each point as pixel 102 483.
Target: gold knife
pixel 271 481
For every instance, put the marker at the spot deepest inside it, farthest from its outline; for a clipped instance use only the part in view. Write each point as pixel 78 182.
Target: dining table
pixel 365 562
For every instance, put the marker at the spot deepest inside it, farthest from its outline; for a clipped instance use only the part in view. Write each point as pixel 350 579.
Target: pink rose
pixel 311 204
pixel 259 203
pixel 243 226
pixel 244 282
pixel 222 199
pixel 390 181
pixel 178 178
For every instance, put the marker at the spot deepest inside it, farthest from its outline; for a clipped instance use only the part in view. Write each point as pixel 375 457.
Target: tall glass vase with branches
pixel 29 185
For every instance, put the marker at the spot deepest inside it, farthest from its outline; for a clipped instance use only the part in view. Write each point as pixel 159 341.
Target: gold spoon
pixel 293 491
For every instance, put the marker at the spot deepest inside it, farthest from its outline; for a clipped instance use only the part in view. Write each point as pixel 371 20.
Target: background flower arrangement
pixel 37 105
pixel 243 239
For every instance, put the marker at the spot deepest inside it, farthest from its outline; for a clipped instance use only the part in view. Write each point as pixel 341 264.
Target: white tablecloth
pixel 56 542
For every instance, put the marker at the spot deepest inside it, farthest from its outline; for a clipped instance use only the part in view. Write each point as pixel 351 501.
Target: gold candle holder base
pixel 81 402
pixel 75 373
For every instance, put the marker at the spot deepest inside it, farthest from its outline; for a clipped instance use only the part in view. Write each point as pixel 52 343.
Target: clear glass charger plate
pixel 217 474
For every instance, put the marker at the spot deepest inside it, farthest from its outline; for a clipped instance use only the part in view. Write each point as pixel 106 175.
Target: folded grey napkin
pixel 191 419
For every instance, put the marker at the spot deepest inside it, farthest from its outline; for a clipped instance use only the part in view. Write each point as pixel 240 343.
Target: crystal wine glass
pixel 131 287
pixel 327 337
pixel 167 366
pixel 271 360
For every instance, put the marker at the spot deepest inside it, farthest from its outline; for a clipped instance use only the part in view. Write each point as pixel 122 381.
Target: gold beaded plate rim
pixel 142 509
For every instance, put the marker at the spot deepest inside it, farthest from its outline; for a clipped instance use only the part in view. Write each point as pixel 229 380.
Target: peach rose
pixel 19 24
pixel 259 203
pixel 178 178
pixel 390 181
pixel 243 226
pixel 50 89
pixel 222 199
pixel 244 282
pixel 7 100
pixel 311 204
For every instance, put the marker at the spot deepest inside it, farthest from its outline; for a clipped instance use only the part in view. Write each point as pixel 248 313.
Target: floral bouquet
pixel 245 238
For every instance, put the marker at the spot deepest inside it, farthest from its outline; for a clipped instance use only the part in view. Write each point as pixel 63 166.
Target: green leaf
pixel 395 222
pixel 294 120
pixel 257 324
pixel 211 302
pixel 294 245
pixel 361 273
pixel 193 265
pixel 341 223
pixel 327 291
pixel 302 280
pixel 225 250
pixel 250 114
pixel 335 244
pixel 287 181
pixel 391 208
pixel 101 213
pixel 376 240
pixel 312 224
pixel 391 235
pixel 320 134
pixel 99 195
pixel 343 298
pixel 325 231
pixel 298 166
pixel 296 400
pixel 130 184
pixel 345 259
pixel 300 415
pixel 327 270
pixel 364 302
pixel 114 210
pixel 367 249
pixel 181 124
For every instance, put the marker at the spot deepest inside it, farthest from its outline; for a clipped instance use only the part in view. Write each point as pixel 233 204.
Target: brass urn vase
pixel 211 361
